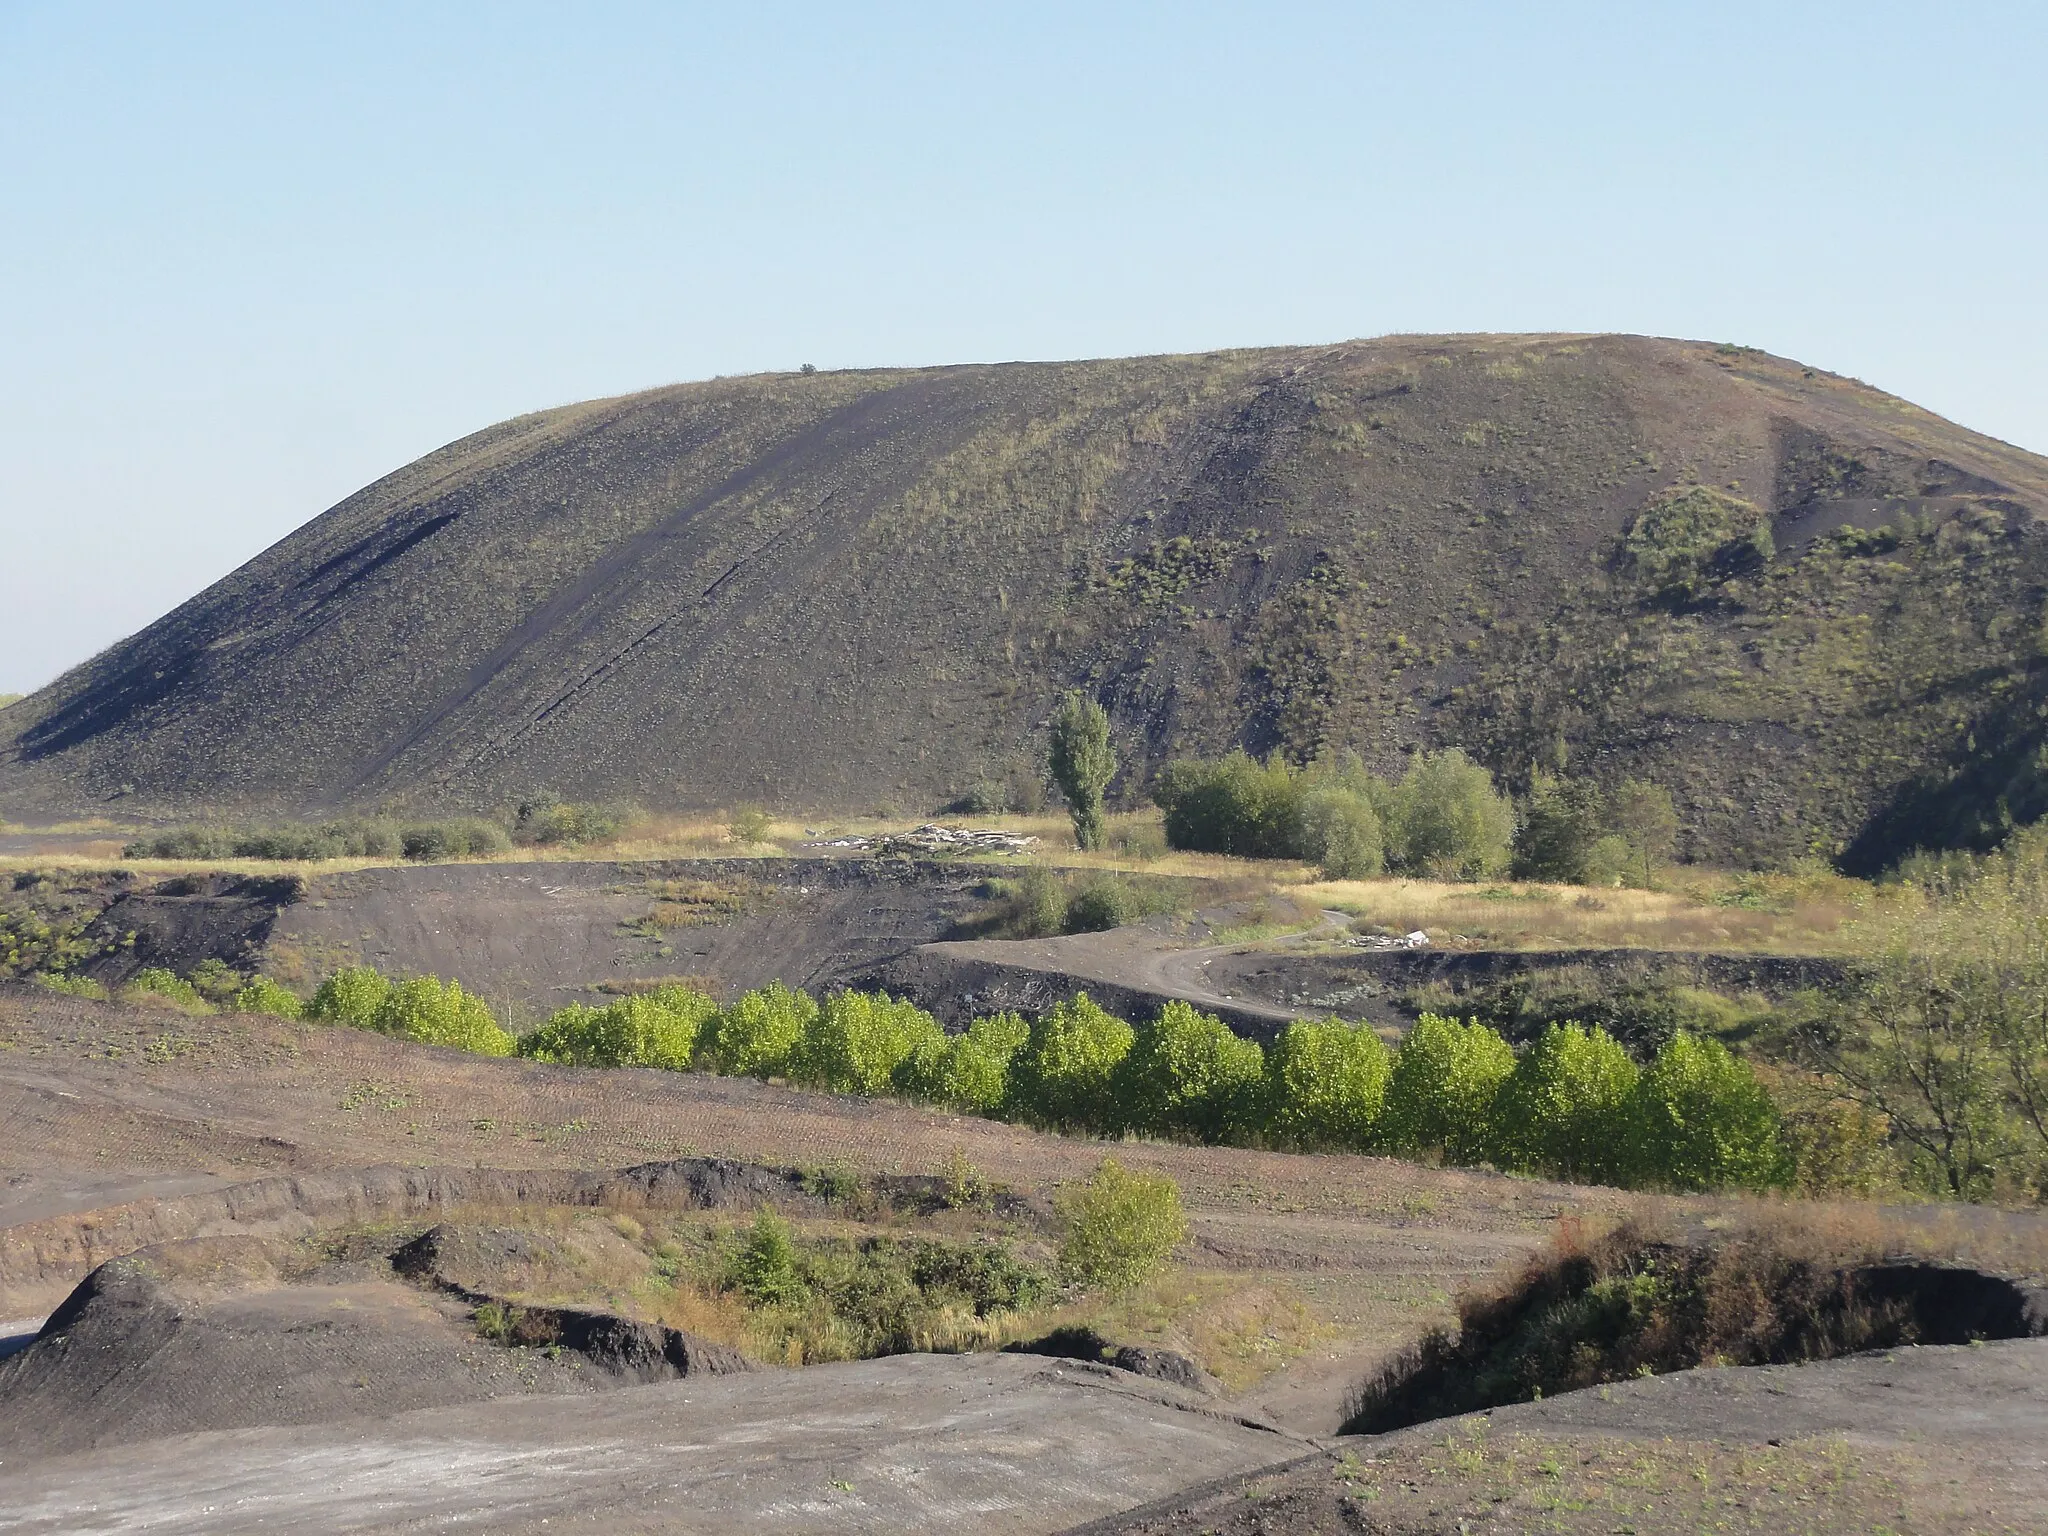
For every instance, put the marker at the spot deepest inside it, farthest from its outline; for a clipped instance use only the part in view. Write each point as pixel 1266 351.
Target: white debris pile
pixel 933 838
pixel 1416 940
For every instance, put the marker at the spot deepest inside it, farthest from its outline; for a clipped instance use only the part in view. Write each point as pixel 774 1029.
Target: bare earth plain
pixel 134 1129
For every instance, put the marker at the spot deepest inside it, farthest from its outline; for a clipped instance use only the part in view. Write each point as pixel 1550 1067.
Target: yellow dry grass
pixel 1806 917
pixel 1137 846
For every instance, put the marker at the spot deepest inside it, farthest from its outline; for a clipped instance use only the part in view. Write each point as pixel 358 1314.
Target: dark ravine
pixel 865 590
pixel 1626 1307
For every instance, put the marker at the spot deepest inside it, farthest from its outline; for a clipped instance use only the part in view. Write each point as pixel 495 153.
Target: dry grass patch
pixel 1516 915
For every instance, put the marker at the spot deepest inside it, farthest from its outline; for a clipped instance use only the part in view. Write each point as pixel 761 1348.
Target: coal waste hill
pixel 1810 609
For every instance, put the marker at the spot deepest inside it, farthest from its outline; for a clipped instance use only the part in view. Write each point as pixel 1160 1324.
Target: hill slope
pixel 865 589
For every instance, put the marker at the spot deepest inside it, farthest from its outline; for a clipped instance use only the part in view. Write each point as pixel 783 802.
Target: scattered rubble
pixel 1384 941
pixel 932 838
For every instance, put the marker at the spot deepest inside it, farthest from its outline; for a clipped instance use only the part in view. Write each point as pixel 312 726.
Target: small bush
pixel 1327 1085
pixel 431 1012
pixel 1062 1077
pixel 1441 1092
pixel 1115 901
pixel 1187 1074
pixel 1099 907
pixel 1688 539
pixel 1700 1120
pixel 70 986
pixel 1561 823
pixel 352 995
pixel 858 1041
pixel 1034 905
pixel 156 982
pixel 452 840
pixel 986 1278
pixel 262 995
pixel 1120 1227
pixel 1341 832
pixel 1236 805
pixel 764 1269
pixel 183 843
pixel 750 825
pixel 329 840
pixel 1564 1109
pixel 550 823
pixel 215 980
pixel 755 1036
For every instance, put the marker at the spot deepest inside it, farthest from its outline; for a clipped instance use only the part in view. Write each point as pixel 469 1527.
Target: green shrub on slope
pixel 1440 1095
pixel 1699 1119
pixel 1121 1227
pixel 352 995
pixel 1564 1110
pixel 1187 1074
pixel 1326 1084
pixel 1062 1077
pixel 660 1029
pixel 432 1012
pixel 857 1041
pixel 756 1035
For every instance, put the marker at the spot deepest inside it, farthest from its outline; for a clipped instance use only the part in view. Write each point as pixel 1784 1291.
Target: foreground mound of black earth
pixel 208 1334
pixel 866 589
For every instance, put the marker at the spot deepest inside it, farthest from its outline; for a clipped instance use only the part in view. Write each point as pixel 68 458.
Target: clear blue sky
pixel 252 257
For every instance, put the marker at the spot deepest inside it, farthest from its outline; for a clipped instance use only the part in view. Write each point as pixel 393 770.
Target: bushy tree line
pixel 1443 817
pixel 1573 1105
pixel 537 823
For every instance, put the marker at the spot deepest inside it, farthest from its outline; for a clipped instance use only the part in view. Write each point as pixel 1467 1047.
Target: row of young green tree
pixel 1444 818
pixel 1572 1105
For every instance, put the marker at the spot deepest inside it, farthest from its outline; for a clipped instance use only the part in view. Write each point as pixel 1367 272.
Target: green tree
pixel 1082 764
pixel 1236 805
pixel 263 995
pixel 1339 830
pixel 858 1040
pixel 432 1012
pixel 1441 1092
pixel 1187 1074
pixel 755 1036
pixel 1698 1119
pixel 1645 818
pixel 352 995
pixel 1447 819
pixel 1565 1108
pixel 658 1029
pixel 1062 1076
pixel 970 1070
pixel 1120 1227
pixel 1326 1085
pixel 1561 823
